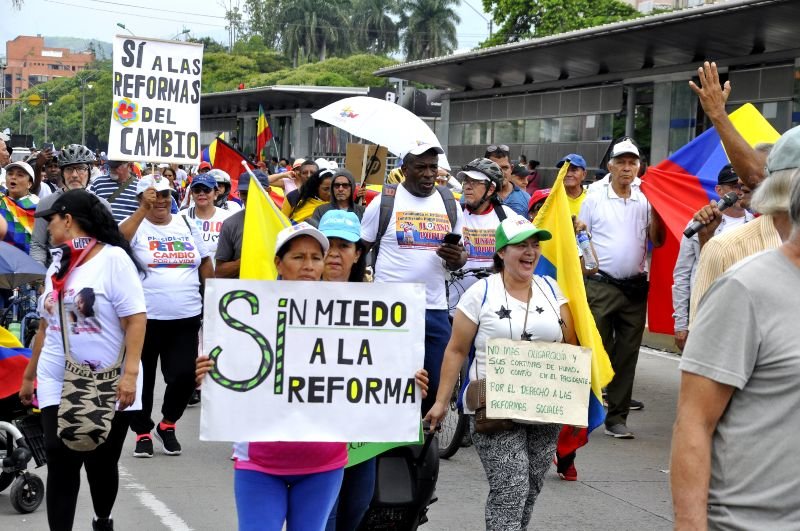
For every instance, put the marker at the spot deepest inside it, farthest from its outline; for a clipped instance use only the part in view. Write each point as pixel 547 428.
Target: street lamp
pixel 184 32
pixel 84 86
pixel 121 25
pixel 488 20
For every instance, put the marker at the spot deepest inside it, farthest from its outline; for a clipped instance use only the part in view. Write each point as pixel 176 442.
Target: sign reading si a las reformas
pixel 312 361
pixel 156 101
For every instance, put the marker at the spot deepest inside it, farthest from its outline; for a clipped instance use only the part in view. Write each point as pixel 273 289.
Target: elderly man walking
pixel 620 221
pixel 734 460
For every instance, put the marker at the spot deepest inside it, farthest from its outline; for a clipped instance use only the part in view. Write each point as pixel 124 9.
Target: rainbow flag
pixel 18 217
pixel 263 134
pixel 560 260
pixel 13 360
pixel 677 188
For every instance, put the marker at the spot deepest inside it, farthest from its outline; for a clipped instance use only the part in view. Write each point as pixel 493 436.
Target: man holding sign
pixel 512 305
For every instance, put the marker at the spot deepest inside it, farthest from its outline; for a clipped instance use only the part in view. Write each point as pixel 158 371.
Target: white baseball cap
pixel 301 229
pixel 152 181
pixel 626 147
pixel 24 166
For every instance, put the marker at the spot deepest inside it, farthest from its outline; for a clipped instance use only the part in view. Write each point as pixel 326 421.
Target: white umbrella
pixel 381 122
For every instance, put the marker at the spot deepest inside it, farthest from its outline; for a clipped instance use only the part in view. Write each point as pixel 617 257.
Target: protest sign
pixel 366 159
pixel 531 381
pixel 156 101
pixel 311 361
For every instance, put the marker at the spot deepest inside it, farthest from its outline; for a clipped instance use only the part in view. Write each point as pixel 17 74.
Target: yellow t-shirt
pixel 575 203
pixel 305 211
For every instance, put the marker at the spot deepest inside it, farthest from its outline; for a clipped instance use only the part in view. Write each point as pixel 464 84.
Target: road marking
pixel 172 521
pixel 660 354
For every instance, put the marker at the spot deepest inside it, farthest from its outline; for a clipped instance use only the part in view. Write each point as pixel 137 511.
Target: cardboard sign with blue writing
pixel 535 382
pixel 312 361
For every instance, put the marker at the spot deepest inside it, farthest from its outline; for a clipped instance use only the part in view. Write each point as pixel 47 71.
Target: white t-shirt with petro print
pixel 96 295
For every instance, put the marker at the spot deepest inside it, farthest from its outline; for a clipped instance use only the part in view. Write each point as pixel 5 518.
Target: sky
pixel 159 19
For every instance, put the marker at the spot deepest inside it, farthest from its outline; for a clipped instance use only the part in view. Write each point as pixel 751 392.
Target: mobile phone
pixel 452 238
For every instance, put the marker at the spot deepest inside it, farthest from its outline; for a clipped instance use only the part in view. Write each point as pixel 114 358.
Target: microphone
pixel 727 200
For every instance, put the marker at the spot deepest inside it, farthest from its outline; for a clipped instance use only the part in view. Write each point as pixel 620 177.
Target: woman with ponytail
pixel 94 272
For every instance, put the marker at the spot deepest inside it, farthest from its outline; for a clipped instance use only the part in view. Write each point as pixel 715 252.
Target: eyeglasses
pixel 341 185
pixel 163 194
pixel 473 182
pixel 501 148
pixel 78 168
pixel 200 189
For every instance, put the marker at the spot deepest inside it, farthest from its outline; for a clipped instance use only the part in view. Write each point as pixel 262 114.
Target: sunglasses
pixel 341 185
pixel 501 148
pixel 200 189
pixel 163 194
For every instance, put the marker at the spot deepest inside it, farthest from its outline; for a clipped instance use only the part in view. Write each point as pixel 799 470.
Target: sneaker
pixel 570 474
pixel 144 446
pixel 619 431
pixel 102 524
pixel 195 398
pixel 636 405
pixel 166 434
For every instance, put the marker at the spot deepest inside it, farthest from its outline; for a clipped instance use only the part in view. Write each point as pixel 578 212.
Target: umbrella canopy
pixel 381 122
pixel 17 268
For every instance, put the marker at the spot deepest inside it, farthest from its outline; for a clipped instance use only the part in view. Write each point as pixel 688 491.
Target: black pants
pixel 64 471
pixel 175 342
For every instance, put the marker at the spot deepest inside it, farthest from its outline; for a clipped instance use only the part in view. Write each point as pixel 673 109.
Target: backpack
pixel 387 206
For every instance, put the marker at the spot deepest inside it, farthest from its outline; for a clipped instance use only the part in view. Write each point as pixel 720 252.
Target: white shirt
pixel 96 295
pixel 483 304
pixel 619 230
pixel 172 256
pixel 478 237
pixel 408 248
pixel 210 228
pixel 602 183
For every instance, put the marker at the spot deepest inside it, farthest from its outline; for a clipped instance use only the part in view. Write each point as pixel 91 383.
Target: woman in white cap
pixel 515 304
pixel 178 262
pixel 271 478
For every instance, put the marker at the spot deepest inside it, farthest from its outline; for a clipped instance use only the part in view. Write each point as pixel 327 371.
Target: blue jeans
pixel 354 497
pixel 437 334
pixel 265 501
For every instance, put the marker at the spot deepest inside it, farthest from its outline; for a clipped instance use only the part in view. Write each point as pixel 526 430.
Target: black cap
pixel 520 170
pixel 727 175
pixel 69 203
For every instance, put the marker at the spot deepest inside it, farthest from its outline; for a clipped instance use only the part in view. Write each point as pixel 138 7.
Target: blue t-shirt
pixel 517 201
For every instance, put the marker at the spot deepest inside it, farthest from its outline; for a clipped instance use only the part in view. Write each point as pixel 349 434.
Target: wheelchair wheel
pixel 27 493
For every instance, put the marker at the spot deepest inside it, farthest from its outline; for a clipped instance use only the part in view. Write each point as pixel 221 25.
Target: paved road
pixel 623 485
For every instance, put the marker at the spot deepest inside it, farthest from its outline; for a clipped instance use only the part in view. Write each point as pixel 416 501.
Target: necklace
pixel 525 336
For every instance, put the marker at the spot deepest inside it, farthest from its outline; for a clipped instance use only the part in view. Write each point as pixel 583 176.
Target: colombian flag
pixel 13 360
pixel 208 154
pixel 263 133
pixel 263 220
pixel 560 260
pixel 677 188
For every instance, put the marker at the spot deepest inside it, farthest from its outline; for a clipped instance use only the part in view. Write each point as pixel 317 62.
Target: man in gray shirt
pixel 735 463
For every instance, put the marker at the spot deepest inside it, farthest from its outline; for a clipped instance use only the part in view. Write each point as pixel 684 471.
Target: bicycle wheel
pixel 454 422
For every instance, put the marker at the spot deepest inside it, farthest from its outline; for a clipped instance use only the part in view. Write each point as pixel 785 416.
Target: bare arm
pixel 748 163
pixel 129 227
pixel 29 376
pixel 227 269
pixel 656 231
pixel 206 269
pixel 134 327
pixel 454 355
pixel 700 405
pixel 568 327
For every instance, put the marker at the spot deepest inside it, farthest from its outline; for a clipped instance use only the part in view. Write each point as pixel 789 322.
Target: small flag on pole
pixel 263 134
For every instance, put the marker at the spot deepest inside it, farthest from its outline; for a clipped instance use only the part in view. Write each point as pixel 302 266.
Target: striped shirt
pixel 723 251
pixel 124 204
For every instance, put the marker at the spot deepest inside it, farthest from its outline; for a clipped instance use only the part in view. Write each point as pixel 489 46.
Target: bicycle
pixel 454 424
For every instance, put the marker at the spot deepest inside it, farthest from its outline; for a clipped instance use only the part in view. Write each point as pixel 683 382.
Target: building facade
pixel 29 62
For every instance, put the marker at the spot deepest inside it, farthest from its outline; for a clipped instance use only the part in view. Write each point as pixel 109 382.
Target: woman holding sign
pixel 292 482
pixel 511 304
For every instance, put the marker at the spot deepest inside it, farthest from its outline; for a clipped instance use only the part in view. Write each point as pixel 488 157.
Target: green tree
pixel 314 29
pixel 209 44
pixel 429 28
pixel 353 71
pixel 262 20
pixel 376 31
pixel 524 19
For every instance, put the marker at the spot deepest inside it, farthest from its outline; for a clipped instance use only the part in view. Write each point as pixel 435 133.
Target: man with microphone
pixel 689 254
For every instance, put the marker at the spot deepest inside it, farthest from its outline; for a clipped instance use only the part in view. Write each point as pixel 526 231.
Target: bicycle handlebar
pixel 477 272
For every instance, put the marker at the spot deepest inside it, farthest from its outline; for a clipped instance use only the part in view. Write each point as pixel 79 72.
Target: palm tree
pixel 376 31
pixel 429 28
pixel 315 28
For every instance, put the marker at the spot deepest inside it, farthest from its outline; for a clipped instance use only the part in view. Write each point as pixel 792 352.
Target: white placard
pixel 312 361
pixel 531 381
pixel 156 106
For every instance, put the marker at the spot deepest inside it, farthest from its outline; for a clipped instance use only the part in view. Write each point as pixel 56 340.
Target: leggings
pixel 265 501
pixel 175 342
pixel 515 462
pixel 64 471
pixel 355 496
